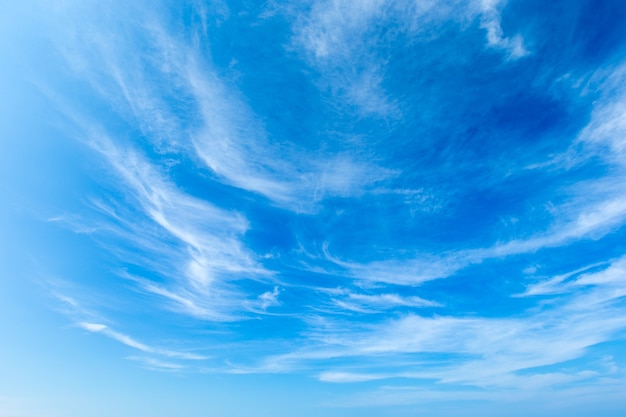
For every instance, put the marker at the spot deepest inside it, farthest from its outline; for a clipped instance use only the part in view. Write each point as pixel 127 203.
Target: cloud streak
pixel 483 352
pixel 208 252
pixel 132 343
pixel 596 207
pixel 221 132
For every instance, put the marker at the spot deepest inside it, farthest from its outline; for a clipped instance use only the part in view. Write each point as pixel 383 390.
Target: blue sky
pixel 341 208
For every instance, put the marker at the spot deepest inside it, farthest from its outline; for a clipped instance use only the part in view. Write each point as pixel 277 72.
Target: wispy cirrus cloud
pixel 234 146
pixel 371 303
pixel 220 131
pixel 157 364
pixel 594 207
pixel 91 320
pixel 605 133
pixel 210 251
pixel 334 36
pixel 591 222
pixel 310 248
pixel 192 248
pixel 490 21
pixel 477 351
pixel 342 39
pixel 130 342
pixel 612 278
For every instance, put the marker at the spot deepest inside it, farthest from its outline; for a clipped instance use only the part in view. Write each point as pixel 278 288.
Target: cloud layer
pixel 402 194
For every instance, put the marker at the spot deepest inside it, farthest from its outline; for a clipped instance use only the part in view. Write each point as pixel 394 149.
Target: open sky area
pixel 370 208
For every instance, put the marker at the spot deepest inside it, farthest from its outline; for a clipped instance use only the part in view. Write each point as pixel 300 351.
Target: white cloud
pixel 193 247
pixel 208 252
pixel 554 285
pixel 130 342
pixel 333 36
pixel 477 351
pixel 490 21
pixel 157 364
pixel 404 272
pixel 605 134
pixel 234 146
pixel 347 377
pixel 612 278
pixel 340 39
pixel 270 299
pixel 220 129
pixel 376 302
pixel 596 207
pixel 92 327
pixel 198 248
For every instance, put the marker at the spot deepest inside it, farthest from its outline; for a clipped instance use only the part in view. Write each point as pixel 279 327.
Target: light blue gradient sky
pixel 339 208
